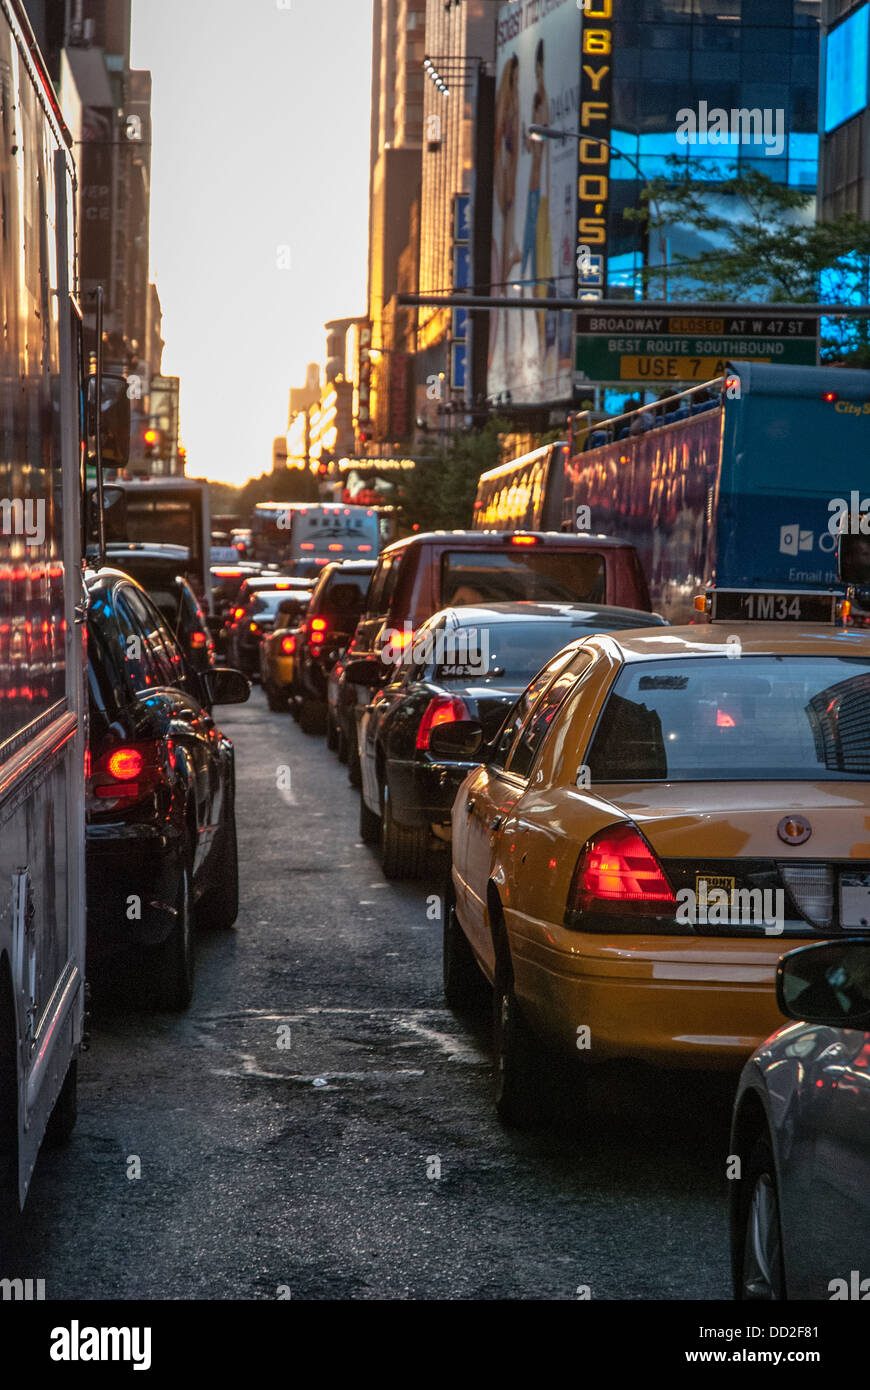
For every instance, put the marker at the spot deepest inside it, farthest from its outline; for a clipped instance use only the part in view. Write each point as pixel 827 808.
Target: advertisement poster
pixel 535 203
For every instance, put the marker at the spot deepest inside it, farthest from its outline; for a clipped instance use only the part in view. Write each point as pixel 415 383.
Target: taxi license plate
pixel 855 901
pixel 713 881
pixel 769 606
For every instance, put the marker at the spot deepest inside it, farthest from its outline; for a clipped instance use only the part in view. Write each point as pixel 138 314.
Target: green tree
pixel 760 241
pixel 439 493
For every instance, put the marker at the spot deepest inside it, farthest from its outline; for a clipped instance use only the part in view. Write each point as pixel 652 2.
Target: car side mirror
pixel 365 670
pixel 459 742
pixel 224 685
pixel 827 983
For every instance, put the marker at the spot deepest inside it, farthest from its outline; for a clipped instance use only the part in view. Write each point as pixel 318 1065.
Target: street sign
pixel 462 217
pixel 669 348
pixel 459 333
pixel 458 366
pixel 461 267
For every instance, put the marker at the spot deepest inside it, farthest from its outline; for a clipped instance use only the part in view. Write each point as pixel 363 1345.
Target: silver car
pixel 799 1158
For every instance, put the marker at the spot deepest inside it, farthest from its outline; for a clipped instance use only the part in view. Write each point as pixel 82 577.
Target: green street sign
pixel 666 349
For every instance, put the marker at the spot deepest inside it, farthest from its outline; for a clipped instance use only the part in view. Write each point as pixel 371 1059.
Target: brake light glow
pixel 363 547
pixel 318 625
pixel 336 546
pixel 618 869
pixel 125 764
pixel 306 545
pixel 724 720
pixel 288 645
pixel 198 640
pixel 442 709
pixel 524 540
pixel 238 612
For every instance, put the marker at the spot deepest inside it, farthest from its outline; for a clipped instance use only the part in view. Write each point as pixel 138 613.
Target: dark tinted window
pixel 759 718
pixel 522 573
pixel 520 712
pixel 538 721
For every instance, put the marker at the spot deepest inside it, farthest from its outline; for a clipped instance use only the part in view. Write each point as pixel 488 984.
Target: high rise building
pixel 844 109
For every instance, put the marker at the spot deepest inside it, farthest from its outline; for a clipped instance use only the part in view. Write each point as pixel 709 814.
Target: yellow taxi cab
pixel 663 814
pixel 278 650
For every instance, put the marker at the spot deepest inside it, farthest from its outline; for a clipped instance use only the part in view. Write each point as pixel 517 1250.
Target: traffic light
pixel 152 440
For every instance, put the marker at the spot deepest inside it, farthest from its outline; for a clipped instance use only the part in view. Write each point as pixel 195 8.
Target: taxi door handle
pixel 469 804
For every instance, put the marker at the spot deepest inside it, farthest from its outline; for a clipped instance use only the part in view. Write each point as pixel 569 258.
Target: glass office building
pixel 671 56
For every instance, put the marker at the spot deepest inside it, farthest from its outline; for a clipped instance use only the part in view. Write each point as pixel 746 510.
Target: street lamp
pixel 549 132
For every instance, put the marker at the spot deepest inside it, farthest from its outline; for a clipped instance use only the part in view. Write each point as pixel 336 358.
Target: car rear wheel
pixel 218 907
pixel 762 1276
pixel 369 823
pixel 404 848
pixel 172 962
pixel 310 717
pixel 519 1063
pixel 276 699
pixel 461 974
pixel 341 745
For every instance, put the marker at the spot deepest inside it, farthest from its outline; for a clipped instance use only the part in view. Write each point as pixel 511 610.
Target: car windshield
pixel 268 602
pixel 514 574
pixel 791 718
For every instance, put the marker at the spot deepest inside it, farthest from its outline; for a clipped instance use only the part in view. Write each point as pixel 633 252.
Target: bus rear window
pixel 520 575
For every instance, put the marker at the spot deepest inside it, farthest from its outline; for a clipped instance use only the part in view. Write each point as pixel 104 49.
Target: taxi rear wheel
pixel 762 1276
pixel 461 975
pixel 520 1073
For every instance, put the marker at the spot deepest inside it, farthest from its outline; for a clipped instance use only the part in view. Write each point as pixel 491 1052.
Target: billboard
pixel 845 57
pixel 534 215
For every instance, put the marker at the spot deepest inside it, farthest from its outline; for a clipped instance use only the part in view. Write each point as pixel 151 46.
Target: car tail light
pixel 198 640
pixel 523 540
pixel 336 546
pixel 128 773
pixel 363 547
pixel 253 627
pixel 238 613
pixel 443 709
pixel 288 645
pixel 617 871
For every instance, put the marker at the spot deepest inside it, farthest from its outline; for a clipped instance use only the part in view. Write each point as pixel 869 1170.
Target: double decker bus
pixel 43 705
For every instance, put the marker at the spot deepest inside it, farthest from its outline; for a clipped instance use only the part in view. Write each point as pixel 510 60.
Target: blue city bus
pixel 731 485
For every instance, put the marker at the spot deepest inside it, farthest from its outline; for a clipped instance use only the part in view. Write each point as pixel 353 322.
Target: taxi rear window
pixel 749 718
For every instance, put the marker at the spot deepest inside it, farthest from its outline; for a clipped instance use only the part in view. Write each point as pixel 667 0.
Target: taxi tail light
pixel 442 709
pixel 127 773
pixel 288 645
pixel 617 871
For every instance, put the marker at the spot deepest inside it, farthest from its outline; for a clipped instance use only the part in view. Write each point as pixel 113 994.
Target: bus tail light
pixel 442 709
pixel 618 872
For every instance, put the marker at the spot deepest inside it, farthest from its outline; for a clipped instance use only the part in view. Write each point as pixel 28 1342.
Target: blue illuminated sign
pixel 847 53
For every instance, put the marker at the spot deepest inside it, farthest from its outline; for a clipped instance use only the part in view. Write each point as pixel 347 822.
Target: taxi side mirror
pixel 364 670
pixel 459 742
pixel 827 983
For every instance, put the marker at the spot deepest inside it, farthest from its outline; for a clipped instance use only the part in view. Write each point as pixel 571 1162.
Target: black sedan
pixel 465 663
pixel 161 832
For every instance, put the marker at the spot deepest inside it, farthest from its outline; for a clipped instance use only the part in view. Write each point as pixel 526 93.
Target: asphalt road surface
pixel 319 1124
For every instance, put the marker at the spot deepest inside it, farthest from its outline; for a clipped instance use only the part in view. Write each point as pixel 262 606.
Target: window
pixel 158 646
pixel 141 670
pixel 519 573
pixel 524 705
pixel 379 601
pixel 757 719
pixel 538 722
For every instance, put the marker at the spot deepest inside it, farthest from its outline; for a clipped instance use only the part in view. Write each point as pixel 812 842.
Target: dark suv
pixel 330 621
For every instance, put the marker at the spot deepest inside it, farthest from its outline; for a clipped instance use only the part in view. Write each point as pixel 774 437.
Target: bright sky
pixel 261 142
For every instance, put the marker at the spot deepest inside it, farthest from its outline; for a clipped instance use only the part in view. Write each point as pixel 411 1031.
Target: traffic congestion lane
pixel 313 1168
